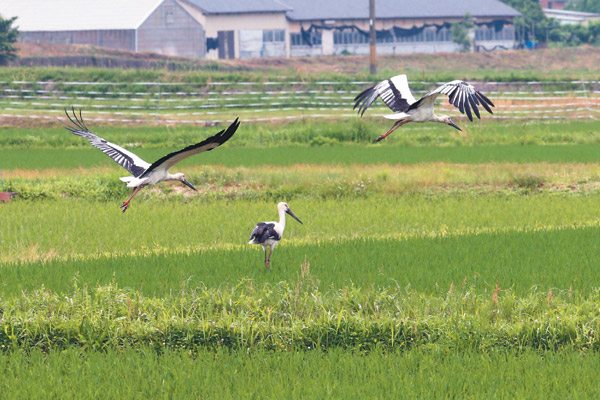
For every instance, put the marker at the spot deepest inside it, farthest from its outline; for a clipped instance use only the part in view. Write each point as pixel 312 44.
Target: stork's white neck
pixel 282 218
pixel 440 118
pixel 170 177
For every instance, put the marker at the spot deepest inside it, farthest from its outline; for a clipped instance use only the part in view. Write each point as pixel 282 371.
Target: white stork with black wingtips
pixel 268 234
pixel 396 94
pixel 143 173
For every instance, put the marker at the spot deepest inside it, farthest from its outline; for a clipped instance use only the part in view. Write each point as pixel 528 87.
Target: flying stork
pixel 143 173
pixel 268 234
pixel 396 94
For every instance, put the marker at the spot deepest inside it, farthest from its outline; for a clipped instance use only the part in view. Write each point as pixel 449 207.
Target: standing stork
pixel 268 234
pixel 143 173
pixel 396 94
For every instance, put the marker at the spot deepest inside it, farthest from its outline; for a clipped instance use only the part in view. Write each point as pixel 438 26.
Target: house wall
pixel 171 30
pixel 113 39
pixel 243 22
pixel 553 4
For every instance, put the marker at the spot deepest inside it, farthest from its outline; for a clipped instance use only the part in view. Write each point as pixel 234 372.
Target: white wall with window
pixel 428 40
pixel 300 48
pixel 490 38
pixel 400 37
pixel 262 43
pixel 484 33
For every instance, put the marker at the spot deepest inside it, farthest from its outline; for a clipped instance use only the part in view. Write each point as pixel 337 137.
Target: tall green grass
pixel 334 155
pixel 521 261
pixel 300 316
pixel 316 375
pixel 312 132
pixel 79 228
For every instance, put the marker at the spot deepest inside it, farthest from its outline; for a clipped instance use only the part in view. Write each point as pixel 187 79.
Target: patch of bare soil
pixel 572 58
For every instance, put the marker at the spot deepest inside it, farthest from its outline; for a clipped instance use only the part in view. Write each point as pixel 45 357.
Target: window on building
pixel 314 38
pixel 349 37
pixel 274 35
pixel 490 34
pixel 482 34
pixel 169 15
pixel 296 39
pixel 509 33
pixel 169 19
pixel 442 35
pixel 430 35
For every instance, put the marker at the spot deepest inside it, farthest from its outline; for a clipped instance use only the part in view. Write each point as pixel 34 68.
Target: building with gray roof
pixel 303 10
pixel 403 26
pixel 261 28
pixel 212 7
pixel 160 26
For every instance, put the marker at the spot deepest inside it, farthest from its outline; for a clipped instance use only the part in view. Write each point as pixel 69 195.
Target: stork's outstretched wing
pixel 212 142
pixel 394 92
pixel 126 159
pixel 461 95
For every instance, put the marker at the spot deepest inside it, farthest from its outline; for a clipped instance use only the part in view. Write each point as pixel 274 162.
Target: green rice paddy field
pixel 428 266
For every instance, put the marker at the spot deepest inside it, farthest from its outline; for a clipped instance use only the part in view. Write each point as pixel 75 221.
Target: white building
pixel 565 17
pixel 242 28
pixel 158 26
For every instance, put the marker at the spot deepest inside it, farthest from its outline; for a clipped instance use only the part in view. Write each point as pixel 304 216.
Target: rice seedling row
pixel 518 241
pixel 65 226
pixel 329 155
pixel 310 132
pixel 424 374
pixel 558 259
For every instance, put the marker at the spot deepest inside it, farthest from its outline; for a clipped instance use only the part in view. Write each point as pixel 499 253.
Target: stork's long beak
pixel 188 184
pixel 293 215
pixel 452 124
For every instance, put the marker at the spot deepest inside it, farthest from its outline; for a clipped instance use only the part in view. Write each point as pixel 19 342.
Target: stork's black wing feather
pixel 394 92
pixel 212 142
pixel 264 231
pixel 463 96
pixel 126 159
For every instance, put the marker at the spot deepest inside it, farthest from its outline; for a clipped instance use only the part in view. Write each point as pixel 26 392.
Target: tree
pixel 459 31
pixel 576 34
pixel 532 22
pixel 584 5
pixel 8 36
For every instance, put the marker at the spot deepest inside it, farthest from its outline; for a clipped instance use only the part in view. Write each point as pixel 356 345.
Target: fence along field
pixel 214 101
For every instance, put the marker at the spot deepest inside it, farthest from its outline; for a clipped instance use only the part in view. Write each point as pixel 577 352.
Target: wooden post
pixel 372 37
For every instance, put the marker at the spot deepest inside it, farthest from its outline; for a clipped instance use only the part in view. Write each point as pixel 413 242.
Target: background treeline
pixel 534 25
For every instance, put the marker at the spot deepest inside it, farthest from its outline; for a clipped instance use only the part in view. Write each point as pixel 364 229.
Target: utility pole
pixel 372 37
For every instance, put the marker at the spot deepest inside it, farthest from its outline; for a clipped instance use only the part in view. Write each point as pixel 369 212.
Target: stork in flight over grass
pixel 268 234
pixel 396 94
pixel 143 173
